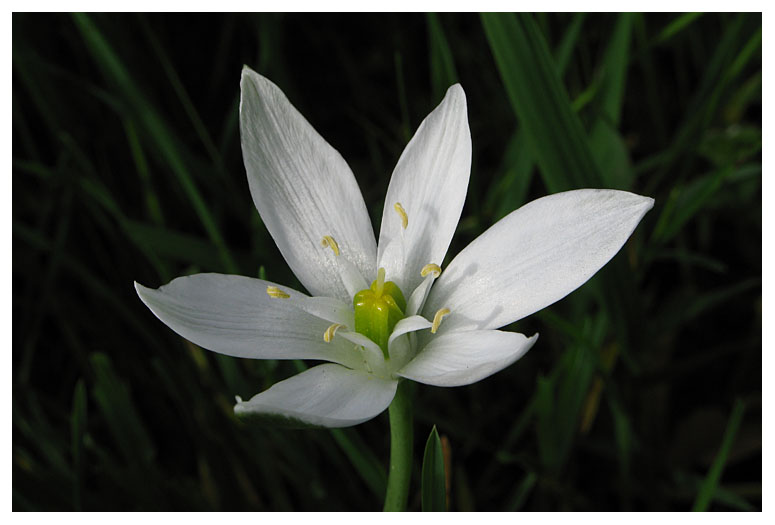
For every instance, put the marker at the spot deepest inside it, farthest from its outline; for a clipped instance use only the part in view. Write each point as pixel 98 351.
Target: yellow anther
pixel 330 332
pixel 435 269
pixel 402 212
pixel 329 242
pixel 437 319
pixel 275 293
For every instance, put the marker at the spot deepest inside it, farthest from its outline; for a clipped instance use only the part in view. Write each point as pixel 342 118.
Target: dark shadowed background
pixel 644 390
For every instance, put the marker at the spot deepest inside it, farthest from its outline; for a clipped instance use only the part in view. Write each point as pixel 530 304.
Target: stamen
pixel 402 212
pixel 437 319
pixel 275 293
pixel 329 242
pixel 431 268
pixel 330 332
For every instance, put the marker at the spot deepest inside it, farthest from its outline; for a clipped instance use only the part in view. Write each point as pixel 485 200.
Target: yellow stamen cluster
pixel 431 268
pixel 437 319
pixel 402 212
pixel 330 332
pixel 329 242
pixel 275 293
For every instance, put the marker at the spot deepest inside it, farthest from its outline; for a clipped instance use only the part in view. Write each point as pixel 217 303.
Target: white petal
pixel 401 348
pixel 303 189
pixel 462 358
pixel 351 276
pixel 419 295
pixel 327 395
pixel 233 315
pixel 372 349
pixel 407 325
pixel 535 256
pixel 327 308
pixel 430 181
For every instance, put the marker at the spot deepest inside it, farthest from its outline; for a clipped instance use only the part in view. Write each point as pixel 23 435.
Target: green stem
pixel 401 439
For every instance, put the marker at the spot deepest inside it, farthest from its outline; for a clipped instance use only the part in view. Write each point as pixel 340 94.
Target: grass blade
pixel 676 26
pixel 557 139
pixel 708 488
pixel 434 492
pixel 607 145
pixel 443 72
pixel 685 203
pixel 153 124
pixel 516 168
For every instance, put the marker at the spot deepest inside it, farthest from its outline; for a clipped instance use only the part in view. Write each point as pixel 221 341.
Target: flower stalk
pixel 401 441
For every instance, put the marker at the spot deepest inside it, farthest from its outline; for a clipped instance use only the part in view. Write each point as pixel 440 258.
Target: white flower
pixel 446 332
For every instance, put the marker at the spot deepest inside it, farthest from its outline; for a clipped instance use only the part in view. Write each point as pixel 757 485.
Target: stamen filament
pixel 329 242
pixel 275 293
pixel 437 319
pixel 431 268
pixel 330 332
pixel 402 213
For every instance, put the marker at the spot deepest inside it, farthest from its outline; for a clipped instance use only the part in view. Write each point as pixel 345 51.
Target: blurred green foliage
pixel 644 391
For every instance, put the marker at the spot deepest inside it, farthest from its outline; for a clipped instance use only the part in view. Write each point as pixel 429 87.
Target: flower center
pixel 378 309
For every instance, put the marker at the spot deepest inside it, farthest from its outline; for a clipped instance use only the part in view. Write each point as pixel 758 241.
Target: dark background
pixel 644 391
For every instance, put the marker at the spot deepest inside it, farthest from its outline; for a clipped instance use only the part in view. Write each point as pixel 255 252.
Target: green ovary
pixel 378 309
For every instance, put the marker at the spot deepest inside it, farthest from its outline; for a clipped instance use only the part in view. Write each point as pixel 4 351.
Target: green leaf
pixel 113 68
pixel 733 145
pixel 708 488
pixel 685 202
pixel 674 27
pixel 522 492
pixel 434 488
pixel 510 192
pixel 607 145
pixel 722 68
pixel 560 397
pixel 516 169
pixel 564 50
pixel 539 99
pixel 442 65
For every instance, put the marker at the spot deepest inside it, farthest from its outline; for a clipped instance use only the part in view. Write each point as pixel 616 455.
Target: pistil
pixel 378 309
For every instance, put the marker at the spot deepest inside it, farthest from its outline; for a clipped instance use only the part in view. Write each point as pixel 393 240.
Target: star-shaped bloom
pixel 380 313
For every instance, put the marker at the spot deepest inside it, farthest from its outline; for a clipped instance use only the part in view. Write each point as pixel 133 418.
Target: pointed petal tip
pixel 457 89
pixel 642 201
pixel 619 198
pixel 456 94
pixel 141 290
pixel 249 77
pixel 248 73
pixel 254 82
pixel 642 204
